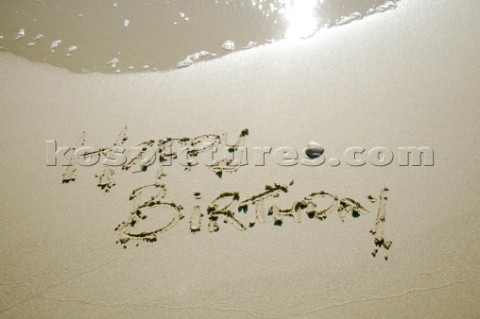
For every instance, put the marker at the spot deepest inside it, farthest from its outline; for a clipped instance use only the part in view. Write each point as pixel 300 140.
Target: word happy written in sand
pixel 228 206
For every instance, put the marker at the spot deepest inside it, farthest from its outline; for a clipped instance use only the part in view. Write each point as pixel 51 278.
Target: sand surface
pixel 407 77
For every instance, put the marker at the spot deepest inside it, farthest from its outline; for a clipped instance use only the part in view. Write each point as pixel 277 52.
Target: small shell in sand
pixel 314 150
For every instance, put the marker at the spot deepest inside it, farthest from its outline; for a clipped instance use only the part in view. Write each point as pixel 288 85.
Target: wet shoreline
pixel 123 37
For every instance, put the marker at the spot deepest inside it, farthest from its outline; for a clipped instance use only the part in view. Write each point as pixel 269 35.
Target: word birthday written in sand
pixel 228 207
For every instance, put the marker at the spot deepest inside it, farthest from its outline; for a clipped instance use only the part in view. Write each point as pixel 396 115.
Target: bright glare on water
pixel 140 36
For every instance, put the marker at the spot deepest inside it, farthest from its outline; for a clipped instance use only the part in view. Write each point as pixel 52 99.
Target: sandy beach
pixel 408 77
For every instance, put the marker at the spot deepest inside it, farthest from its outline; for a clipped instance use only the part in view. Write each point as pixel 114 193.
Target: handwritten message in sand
pixel 228 207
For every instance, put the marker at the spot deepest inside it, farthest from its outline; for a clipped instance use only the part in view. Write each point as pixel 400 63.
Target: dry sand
pixel 405 77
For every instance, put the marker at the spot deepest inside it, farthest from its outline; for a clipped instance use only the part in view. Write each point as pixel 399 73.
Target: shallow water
pixel 137 36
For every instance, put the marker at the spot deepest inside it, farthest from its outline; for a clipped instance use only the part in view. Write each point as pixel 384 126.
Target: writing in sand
pixel 228 207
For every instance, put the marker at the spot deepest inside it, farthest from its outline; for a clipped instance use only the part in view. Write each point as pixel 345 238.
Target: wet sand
pixel 145 36
pixel 401 78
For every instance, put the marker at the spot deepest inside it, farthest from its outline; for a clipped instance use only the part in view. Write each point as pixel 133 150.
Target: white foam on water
pixel 166 33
